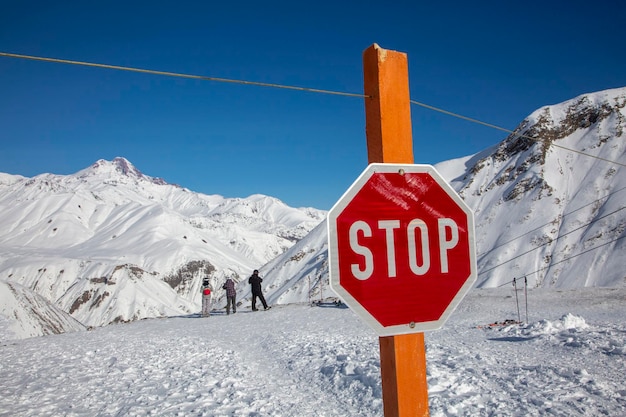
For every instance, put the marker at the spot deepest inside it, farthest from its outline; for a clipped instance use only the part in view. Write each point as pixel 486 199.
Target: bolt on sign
pixel 401 248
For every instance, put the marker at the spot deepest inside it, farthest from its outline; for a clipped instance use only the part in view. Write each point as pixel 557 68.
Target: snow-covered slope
pixel 299 275
pixel 547 210
pixel 110 244
pixel 301 361
pixel 24 313
pixel 543 210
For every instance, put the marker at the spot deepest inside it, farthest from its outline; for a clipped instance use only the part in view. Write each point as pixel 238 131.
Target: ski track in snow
pixel 297 360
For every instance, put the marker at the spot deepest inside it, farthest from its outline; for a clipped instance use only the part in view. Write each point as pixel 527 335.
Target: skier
pixel 206 298
pixel 255 282
pixel 231 295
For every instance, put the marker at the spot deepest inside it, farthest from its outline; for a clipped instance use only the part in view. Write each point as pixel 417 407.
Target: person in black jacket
pixel 255 282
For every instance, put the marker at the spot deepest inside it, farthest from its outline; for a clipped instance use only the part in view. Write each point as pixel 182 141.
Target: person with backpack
pixel 255 282
pixel 206 298
pixel 231 295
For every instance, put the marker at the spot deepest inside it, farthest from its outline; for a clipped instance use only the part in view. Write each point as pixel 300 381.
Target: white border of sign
pixel 333 249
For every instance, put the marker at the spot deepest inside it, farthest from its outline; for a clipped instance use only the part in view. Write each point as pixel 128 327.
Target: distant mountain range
pixel 109 244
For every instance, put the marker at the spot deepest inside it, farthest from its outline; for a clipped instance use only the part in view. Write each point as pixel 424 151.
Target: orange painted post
pixel 388 111
pixel 403 374
pixel 389 140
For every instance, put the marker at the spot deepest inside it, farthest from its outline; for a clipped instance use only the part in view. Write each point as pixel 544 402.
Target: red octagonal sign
pixel 401 248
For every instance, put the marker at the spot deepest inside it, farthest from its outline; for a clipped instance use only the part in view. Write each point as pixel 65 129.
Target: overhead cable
pixel 180 75
pixel 550 222
pixel 287 87
pixel 469 119
pixel 551 240
pixel 567 259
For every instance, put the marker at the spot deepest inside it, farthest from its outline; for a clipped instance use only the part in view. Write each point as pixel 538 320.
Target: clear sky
pixel 492 61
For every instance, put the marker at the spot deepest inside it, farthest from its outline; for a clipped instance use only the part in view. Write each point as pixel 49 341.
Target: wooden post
pixel 389 140
pixel 388 111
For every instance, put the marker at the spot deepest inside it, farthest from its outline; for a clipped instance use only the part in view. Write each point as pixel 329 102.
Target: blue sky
pixel 492 61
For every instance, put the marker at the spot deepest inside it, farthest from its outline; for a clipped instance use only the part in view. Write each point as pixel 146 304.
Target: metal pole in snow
pixel 519 319
pixel 526 296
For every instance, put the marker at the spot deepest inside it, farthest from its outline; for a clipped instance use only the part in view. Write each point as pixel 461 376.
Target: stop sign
pixel 401 248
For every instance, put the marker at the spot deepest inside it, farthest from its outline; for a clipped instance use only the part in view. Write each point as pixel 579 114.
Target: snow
pixel 109 245
pixel 300 360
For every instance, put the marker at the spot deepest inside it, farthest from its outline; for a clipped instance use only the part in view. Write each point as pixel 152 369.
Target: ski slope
pixel 298 360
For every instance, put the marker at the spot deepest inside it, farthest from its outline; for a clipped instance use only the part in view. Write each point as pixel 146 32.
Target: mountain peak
pixel 119 167
pixel 590 119
pixel 124 165
pixel 119 164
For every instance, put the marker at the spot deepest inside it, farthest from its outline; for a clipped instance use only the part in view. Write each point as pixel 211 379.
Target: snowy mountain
pixel 544 209
pixel 110 244
pixel 26 313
